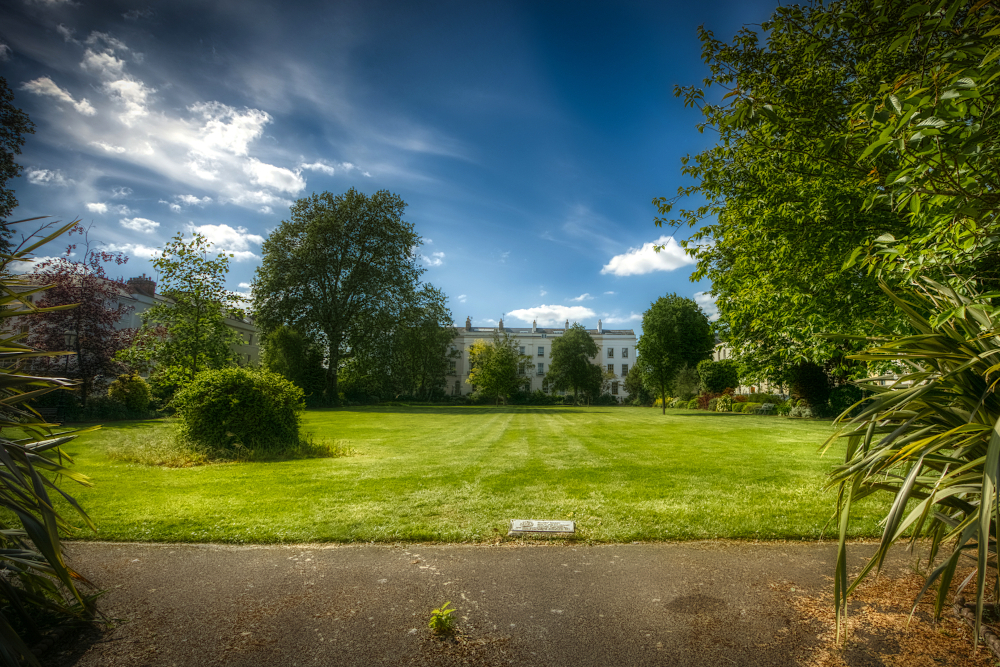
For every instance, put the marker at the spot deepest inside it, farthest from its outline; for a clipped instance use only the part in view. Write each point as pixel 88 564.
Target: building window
pixel 458 387
pixel 522 349
pixel 451 367
pixel 624 353
pixel 611 368
pixel 541 369
pixel 611 353
pixel 541 351
pixel 521 369
pixel 251 339
pixel 614 388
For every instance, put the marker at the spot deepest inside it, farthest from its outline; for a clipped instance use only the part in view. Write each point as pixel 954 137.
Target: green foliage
pixel 496 366
pixel 724 404
pixel 288 353
pixel 692 404
pixel 637 392
pixel 716 376
pixel 233 409
pixel 675 333
pixel 843 397
pixel 570 364
pixel 338 270
pixel 931 441
pixel 810 383
pixel 188 334
pixel 37 584
pixel 712 404
pixel 442 622
pixel 131 391
pixel 14 124
pixel 686 383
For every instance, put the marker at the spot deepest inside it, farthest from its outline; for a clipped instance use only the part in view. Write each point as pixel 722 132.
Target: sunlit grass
pixel 461 473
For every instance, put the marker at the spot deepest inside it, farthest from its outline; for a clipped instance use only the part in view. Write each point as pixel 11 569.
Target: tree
pixel 570 363
pixel 686 384
pixel 297 359
pixel 80 312
pixel 716 376
pixel 188 333
pixel 495 366
pixel 635 387
pixel 14 124
pixel 675 333
pixel 338 262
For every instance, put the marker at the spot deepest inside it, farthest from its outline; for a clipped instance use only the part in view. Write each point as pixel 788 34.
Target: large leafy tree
pixel 496 366
pixel 89 328
pixel 717 376
pixel 14 124
pixel 336 263
pixel 297 359
pixel 188 333
pixel 572 355
pixel 675 333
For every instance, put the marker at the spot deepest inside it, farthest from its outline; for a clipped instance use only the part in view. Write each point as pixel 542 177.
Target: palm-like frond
pixel 932 440
pixel 34 577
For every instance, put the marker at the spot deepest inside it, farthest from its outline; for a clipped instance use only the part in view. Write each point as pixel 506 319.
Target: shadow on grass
pixel 460 409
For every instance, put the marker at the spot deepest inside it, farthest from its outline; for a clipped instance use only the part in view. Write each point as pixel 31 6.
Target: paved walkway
pixel 705 603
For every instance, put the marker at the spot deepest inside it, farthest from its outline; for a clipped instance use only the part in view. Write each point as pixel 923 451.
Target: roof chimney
pixel 534 326
pixel 600 327
pixel 143 285
pixel 567 325
pixel 468 324
pixel 501 324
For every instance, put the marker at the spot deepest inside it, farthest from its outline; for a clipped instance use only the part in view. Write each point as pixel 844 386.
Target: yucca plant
pixel 931 440
pixel 35 581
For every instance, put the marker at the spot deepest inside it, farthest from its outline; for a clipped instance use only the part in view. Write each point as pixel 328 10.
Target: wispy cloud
pixel 583 297
pixel 144 225
pixel 461 298
pixel 553 315
pixel 646 259
pixel 618 319
pixel 435 259
pixel 236 241
pixel 707 303
pixel 47 177
pixel 48 88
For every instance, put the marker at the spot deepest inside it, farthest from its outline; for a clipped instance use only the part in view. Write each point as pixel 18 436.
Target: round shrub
pixel 132 392
pixel 712 402
pixel 692 404
pixel 232 408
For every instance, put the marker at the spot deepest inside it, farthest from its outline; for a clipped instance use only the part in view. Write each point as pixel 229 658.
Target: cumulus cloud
pixel 97 207
pixel 320 166
pixel 47 177
pixel 176 208
pixel 234 240
pixel 192 200
pixel 553 315
pixel 48 88
pixel 228 128
pixel 277 178
pixel 617 319
pixel 436 259
pixel 461 298
pixel 134 250
pixel 121 193
pixel 133 96
pixel 144 225
pixel 707 303
pixel 638 261
pixel 102 63
pixel 583 297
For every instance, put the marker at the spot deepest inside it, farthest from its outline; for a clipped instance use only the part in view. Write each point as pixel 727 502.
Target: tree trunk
pixel 332 393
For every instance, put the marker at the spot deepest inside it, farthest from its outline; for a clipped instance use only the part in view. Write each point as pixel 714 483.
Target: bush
pixel 809 382
pixel 750 408
pixel 712 403
pixel 724 403
pixel 606 399
pixel 802 411
pixel 233 409
pixel 718 375
pixel 738 407
pixel 686 384
pixel 132 392
pixel 843 397
pixel 677 403
pixel 692 404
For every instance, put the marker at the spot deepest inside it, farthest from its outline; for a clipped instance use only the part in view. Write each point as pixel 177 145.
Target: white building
pixel 617 353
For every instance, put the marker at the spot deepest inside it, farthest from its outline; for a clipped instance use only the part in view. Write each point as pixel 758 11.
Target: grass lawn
pixel 460 473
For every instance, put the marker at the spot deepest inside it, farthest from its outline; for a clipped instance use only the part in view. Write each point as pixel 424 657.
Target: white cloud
pixel 134 250
pixel 461 298
pixel 436 259
pixel 120 193
pixel 609 292
pixel 133 96
pixel 553 315
pixel 615 319
pixel 47 87
pixel 97 207
pixel 327 169
pixel 191 200
pixel 542 293
pixel 274 177
pixel 108 147
pixel 228 129
pixel 236 241
pixel 67 33
pixel 176 208
pixel 259 198
pixel 707 303
pixel 583 297
pixel 102 63
pixel 144 225
pixel 4 53
pixel 46 177
pixel 638 261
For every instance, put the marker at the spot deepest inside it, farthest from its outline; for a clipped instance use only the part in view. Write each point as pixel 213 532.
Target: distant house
pixel 617 353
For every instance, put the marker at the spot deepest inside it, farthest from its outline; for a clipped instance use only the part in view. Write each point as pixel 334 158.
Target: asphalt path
pixel 701 603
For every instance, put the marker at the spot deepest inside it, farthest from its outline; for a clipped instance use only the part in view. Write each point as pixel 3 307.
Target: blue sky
pixel 528 139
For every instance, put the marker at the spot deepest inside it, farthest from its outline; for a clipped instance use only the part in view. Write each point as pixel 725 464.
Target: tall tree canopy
pixel 14 124
pixel 336 263
pixel 188 333
pixel 297 359
pixel 89 328
pixel 497 366
pixel 675 333
pixel 570 366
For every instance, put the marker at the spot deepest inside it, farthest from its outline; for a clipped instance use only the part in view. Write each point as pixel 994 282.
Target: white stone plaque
pixel 518 526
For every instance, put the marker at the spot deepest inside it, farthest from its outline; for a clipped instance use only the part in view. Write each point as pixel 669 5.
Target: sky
pixel 528 139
